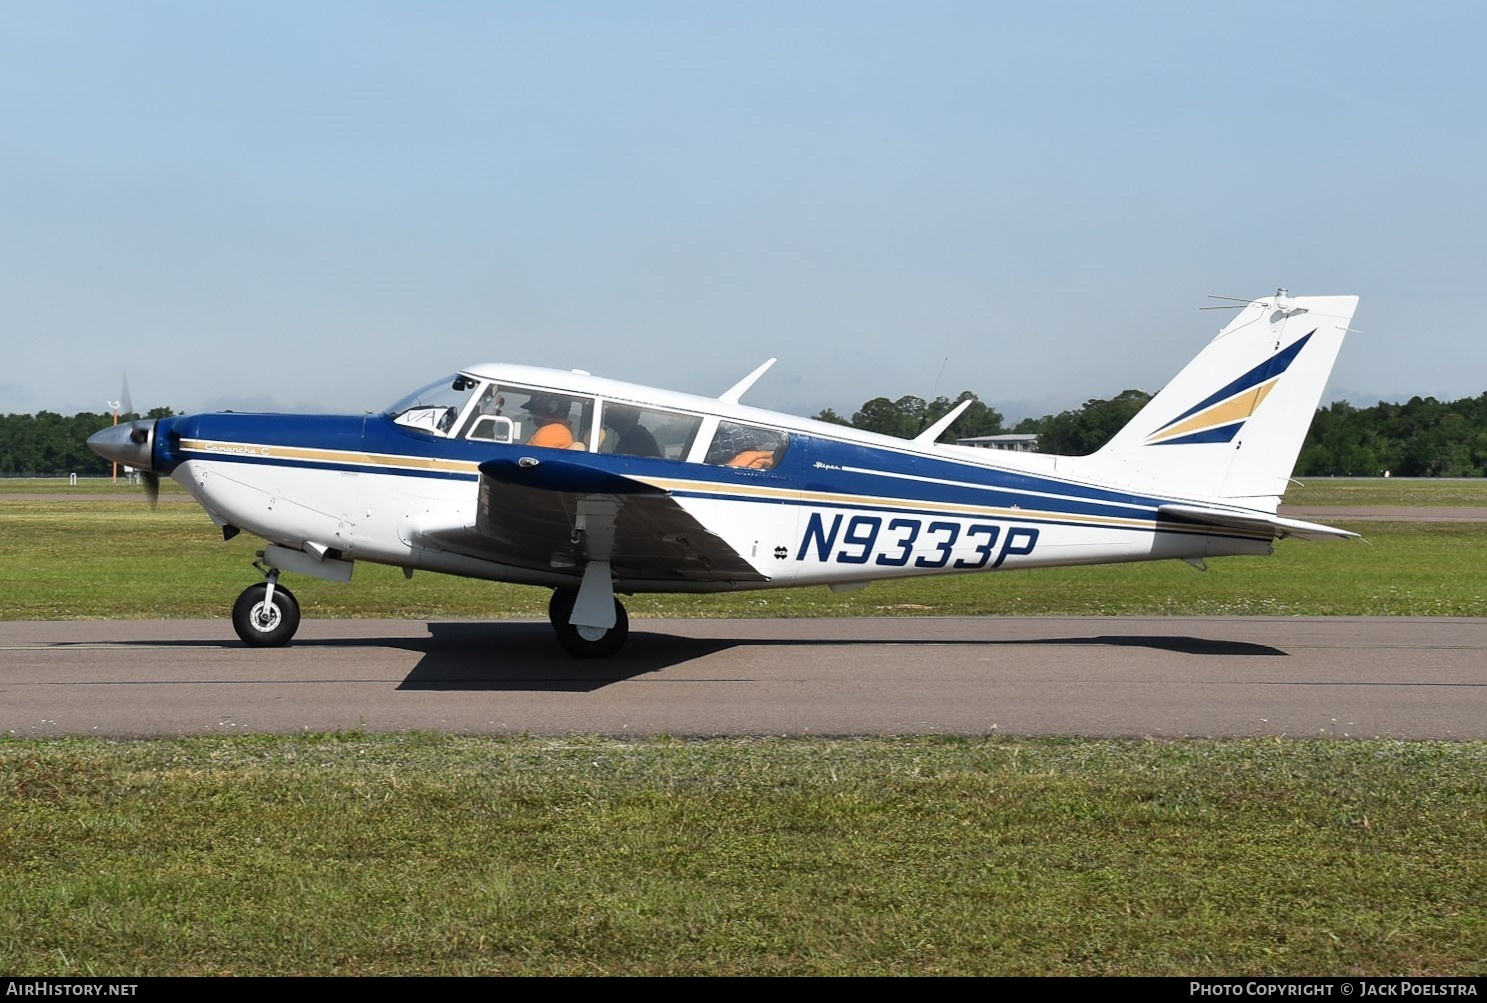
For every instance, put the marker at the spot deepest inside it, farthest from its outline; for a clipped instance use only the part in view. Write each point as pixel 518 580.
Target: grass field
pixel 102 557
pixel 440 855
pixel 422 854
pixel 1328 491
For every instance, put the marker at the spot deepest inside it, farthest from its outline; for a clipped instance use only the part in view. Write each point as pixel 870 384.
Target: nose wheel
pixel 266 615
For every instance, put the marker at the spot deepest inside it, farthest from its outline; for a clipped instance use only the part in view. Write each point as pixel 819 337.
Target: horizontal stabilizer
pixel 1256 522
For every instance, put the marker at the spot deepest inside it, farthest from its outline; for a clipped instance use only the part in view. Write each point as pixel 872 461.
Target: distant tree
pixel 977 420
pixel 1081 432
pixel 909 416
pixel 1422 437
pixel 902 418
pixel 1338 445
pixel 48 444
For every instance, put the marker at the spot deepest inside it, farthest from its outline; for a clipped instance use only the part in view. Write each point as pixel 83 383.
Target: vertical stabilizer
pixel 1230 425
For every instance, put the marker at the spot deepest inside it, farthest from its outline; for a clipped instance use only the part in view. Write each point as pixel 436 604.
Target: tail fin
pixel 1230 425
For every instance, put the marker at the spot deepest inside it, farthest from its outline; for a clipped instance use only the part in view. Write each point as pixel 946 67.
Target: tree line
pixel 1074 433
pixel 1422 437
pixel 47 444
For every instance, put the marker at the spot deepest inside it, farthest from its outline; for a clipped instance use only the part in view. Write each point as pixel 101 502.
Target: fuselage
pixel 816 504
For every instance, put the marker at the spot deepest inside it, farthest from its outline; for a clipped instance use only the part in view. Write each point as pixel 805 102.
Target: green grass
pixel 97 558
pixel 84 486
pixel 438 855
pixel 1306 491
pixel 1371 491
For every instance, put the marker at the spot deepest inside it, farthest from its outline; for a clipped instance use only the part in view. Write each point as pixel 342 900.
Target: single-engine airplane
pixel 595 488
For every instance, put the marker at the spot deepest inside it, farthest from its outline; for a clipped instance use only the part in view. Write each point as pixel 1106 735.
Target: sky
pixel 321 205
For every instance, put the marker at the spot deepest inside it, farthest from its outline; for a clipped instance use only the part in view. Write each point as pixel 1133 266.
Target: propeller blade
pixel 151 481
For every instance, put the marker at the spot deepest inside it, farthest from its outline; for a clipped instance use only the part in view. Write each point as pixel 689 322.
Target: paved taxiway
pixel 1405 678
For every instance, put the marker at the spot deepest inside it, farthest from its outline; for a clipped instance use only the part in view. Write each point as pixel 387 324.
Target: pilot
pixel 634 438
pixel 551 416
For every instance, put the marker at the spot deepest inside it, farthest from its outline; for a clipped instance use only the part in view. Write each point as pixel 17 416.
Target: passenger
pixel 634 438
pixel 754 459
pixel 551 416
pixel 742 446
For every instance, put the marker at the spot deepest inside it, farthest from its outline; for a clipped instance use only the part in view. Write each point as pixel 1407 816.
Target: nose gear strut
pixel 266 615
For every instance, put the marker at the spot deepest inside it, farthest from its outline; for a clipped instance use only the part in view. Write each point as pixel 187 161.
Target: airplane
pixel 596 488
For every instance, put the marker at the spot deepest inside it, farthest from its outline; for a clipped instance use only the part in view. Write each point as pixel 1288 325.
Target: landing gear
pixel 266 615
pixel 586 642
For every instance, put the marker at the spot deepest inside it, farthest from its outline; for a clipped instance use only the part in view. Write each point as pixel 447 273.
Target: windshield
pixel 435 407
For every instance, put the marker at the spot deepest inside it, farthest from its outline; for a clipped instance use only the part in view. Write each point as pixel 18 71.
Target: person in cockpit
pixel 634 438
pixel 550 413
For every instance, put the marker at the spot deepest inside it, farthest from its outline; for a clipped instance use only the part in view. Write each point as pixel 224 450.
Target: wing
pixel 558 514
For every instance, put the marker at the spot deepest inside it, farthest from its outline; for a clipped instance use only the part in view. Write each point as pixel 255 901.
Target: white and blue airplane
pixel 596 488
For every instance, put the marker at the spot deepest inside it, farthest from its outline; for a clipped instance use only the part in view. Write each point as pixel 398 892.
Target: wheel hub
pixel 265 616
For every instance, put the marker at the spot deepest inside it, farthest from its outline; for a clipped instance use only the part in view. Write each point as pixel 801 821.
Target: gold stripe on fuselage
pixel 945 508
pixel 390 461
pixel 307 454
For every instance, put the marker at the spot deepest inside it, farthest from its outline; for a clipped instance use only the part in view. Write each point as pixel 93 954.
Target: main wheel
pixel 586 642
pixel 560 606
pixel 265 625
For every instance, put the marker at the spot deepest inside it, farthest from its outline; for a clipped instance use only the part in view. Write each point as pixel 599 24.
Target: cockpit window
pixel 507 413
pixel 436 407
pixel 736 445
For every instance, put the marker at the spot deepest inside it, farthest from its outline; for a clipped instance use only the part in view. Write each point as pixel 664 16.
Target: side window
pixel 531 416
pixel 749 446
pixel 640 431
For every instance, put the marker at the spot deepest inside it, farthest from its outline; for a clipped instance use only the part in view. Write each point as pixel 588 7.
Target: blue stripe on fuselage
pixel 871 472
pixel 858 474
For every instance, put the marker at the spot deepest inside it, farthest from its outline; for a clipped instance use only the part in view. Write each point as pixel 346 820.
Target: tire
pixel 586 642
pixel 560 606
pixel 270 631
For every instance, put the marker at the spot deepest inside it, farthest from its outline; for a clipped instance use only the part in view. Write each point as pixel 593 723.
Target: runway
pixel 1296 677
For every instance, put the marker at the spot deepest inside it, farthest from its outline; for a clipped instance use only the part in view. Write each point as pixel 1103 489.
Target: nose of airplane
pixel 130 443
pixel 133 445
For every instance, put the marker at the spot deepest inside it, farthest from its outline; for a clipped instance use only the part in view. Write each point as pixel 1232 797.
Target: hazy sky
pixel 325 204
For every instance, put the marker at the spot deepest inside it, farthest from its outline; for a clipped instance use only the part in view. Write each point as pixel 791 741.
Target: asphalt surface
pixel 1171 677
pixel 1402 678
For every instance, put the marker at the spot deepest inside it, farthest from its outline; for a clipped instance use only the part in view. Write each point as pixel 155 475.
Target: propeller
pixel 140 434
pixel 133 445
pixel 126 406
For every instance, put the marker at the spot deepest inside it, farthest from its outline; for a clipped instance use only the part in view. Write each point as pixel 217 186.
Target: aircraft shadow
pixel 523 656
pixel 497 656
